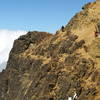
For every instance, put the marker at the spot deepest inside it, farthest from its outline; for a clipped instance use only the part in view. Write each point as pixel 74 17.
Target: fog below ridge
pixel 7 38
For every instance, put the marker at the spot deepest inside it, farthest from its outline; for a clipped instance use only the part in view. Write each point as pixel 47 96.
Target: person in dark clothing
pixel 63 28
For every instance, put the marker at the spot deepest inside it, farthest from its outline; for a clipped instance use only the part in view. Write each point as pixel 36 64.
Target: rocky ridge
pixel 43 66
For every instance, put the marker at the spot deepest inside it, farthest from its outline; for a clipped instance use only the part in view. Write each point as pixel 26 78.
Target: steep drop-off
pixel 43 66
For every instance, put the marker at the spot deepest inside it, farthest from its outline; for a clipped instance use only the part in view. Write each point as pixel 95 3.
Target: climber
pixel 62 29
pixel 73 98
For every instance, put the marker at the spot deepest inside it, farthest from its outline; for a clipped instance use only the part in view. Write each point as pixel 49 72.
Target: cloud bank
pixel 7 38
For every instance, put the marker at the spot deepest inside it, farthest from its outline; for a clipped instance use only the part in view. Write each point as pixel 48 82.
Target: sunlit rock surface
pixel 42 66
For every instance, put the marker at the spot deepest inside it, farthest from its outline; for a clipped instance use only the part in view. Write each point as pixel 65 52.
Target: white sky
pixel 7 38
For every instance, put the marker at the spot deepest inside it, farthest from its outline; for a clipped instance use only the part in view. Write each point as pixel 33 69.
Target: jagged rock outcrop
pixel 42 66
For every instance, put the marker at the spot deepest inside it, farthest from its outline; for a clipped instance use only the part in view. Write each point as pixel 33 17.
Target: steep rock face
pixel 42 66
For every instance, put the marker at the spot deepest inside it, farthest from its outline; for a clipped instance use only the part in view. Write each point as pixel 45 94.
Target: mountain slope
pixel 42 66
